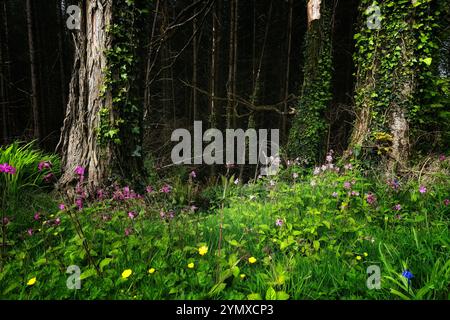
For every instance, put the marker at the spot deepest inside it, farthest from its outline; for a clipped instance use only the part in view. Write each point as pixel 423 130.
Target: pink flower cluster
pixel 371 198
pixel 44 165
pixel 125 194
pixel 6 168
pixel 394 184
pixel 166 189
pixel 328 165
pixel 79 201
pixel 167 215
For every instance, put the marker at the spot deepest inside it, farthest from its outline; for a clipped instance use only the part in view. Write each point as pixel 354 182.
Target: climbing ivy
pixel 398 54
pixel 308 132
pixel 120 119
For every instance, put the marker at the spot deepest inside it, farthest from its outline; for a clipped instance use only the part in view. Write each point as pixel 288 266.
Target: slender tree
pixel 288 70
pixel 4 70
pixel 194 66
pixel 33 72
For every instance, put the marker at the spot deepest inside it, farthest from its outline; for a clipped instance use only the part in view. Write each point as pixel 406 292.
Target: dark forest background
pixel 174 102
pixel 197 57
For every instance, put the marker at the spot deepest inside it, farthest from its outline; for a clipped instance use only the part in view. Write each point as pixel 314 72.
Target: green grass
pixel 322 250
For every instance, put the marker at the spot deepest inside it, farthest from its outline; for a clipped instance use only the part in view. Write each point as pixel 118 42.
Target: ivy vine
pixel 308 132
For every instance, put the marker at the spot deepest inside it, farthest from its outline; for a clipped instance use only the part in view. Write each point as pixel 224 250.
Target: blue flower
pixel 408 275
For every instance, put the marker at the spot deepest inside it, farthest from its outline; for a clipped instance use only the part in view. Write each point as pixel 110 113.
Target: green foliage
pixel 121 121
pixel 311 237
pixel 309 127
pixel 25 158
pixel 397 65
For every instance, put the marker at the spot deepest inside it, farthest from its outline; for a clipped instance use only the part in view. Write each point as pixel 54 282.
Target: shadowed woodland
pixel 91 92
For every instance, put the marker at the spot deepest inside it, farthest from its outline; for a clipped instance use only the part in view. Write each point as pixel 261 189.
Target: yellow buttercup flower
pixel 126 273
pixel 203 250
pixel 31 282
pixel 252 260
pixel 191 265
pixel 365 254
pixel 151 270
pixel 242 276
pixel 358 258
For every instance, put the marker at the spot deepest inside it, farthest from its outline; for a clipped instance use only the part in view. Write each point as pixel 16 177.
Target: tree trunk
pixel 33 72
pixel 231 58
pixel 4 71
pixel 79 142
pixel 194 66
pixel 307 136
pixel 287 75
pixel 147 91
pixel 60 36
pixel 381 123
pixel 235 57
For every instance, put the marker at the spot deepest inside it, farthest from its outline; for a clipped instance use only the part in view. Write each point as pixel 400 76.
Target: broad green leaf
pixel 271 294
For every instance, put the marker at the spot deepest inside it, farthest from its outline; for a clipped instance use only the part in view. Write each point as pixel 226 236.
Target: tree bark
pixel 307 137
pixel 79 142
pixel 33 72
pixel 287 75
pixel 147 91
pixel 391 123
pixel 235 55
pixel 231 64
pixel 4 71
pixel 194 66
pixel 60 36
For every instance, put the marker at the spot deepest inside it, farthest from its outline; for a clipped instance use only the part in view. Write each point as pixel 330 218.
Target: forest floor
pixel 326 234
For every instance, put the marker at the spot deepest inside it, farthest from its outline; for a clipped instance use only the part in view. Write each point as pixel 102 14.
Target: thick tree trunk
pixel 79 142
pixel 307 137
pixel 388 132
pixel 33 72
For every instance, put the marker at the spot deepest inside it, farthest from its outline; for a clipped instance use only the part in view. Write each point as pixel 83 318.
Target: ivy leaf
pixel 427 61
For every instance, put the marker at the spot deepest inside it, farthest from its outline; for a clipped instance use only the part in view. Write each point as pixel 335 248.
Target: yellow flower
pixel 242 276
pixel 31 282
pixel 252 260
pixel 126 273
pixel 203 250
pixel 358 258
pixel 191 265
pixel 151 270
pixel 365 254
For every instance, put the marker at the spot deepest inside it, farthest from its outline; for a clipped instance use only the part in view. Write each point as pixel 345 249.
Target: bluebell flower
pixel 408 275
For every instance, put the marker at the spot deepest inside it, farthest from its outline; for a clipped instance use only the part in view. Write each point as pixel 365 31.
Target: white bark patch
pixel 313 10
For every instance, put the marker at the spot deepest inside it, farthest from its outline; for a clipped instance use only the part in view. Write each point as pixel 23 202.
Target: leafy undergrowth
pixel 297 236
